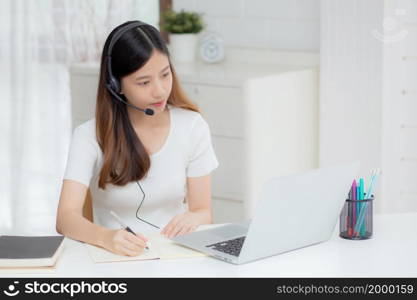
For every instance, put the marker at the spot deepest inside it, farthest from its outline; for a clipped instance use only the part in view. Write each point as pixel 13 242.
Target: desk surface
pixel 392 252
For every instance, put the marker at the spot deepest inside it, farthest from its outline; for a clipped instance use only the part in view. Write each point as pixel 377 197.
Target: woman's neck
pixel 141 120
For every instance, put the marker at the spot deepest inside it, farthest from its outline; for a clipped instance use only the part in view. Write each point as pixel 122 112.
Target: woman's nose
pixel 158 90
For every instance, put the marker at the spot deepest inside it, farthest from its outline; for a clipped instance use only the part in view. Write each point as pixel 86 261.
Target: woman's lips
pixel 157 104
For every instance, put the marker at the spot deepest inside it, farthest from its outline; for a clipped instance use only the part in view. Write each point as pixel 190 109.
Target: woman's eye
pixel 146 82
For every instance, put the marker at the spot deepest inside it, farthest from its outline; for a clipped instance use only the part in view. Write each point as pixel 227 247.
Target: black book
pixel 30 251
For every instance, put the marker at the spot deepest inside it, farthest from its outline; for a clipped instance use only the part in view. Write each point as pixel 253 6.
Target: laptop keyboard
pixel 231 247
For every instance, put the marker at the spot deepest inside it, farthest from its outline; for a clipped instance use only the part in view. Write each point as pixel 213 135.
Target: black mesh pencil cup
pixel 356 219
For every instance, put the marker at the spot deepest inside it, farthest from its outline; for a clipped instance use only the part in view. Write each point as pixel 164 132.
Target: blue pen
pixel 369 196
pixel 361 206
pixel 371 184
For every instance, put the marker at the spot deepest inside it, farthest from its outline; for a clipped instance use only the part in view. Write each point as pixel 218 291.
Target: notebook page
pixel 159 247
pixel 100 255
pixel 168 249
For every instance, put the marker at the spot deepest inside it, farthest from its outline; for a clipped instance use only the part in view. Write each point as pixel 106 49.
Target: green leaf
pixel 182 22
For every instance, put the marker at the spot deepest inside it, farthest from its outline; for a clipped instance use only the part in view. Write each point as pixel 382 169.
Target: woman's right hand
pixel 122 242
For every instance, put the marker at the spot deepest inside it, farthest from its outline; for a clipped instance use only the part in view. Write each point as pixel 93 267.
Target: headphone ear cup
pixel 112 81
pixel 115 85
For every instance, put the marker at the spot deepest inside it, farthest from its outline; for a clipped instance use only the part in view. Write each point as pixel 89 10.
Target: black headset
pixel 113 84
pixel 114 87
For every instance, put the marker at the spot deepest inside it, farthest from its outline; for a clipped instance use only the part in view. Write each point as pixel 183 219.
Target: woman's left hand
pixel 183 223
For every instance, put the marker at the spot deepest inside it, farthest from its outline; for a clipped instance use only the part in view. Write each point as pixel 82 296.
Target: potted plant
pixel 183 28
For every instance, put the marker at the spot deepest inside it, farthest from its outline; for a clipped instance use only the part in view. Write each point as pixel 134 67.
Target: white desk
pixel 392 252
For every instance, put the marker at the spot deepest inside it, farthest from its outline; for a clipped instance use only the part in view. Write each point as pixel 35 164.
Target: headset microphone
pixel 147 111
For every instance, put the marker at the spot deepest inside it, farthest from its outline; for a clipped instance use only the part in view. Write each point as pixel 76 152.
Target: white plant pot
pixel 183 46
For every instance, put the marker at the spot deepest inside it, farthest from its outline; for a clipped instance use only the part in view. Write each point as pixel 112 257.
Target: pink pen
pixel 354 205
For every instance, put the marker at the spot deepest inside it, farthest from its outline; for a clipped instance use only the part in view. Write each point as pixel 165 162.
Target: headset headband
pixel 113 85
pixel 120 32
pixel 112 81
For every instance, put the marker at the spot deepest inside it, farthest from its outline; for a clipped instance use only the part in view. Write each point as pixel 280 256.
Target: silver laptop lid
pixel 297 210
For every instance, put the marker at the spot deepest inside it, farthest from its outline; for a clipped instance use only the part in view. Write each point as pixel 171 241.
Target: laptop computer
pixel 292 212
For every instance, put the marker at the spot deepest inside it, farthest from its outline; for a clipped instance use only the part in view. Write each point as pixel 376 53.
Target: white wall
pixel 147 11
pixel 350 83
pixel 271 24
pixel 400 106
pixel 368 95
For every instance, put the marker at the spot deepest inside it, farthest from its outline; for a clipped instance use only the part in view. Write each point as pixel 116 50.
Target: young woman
pixel 147 155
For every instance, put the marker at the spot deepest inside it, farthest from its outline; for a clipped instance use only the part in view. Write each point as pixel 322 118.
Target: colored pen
pixel 354 204
pixel 125 227
pixel 375 174
pixel 361 218
pixel 358 197
pixel 361 206
pixel 349 218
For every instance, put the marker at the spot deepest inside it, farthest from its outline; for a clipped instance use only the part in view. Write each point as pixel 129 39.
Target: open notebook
pixel 160 247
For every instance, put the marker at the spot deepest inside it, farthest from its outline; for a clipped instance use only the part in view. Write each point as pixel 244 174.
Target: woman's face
pixel 150 86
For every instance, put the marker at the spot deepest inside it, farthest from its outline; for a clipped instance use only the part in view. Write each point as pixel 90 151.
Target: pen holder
pixel 356 219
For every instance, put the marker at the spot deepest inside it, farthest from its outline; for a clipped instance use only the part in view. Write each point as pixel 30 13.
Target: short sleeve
pixel 82 157
pixel 202 159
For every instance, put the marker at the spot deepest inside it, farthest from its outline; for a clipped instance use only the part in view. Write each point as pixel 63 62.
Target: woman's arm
pixel 70 220
pixel 71 223
pixel 199 205
pixel 199 197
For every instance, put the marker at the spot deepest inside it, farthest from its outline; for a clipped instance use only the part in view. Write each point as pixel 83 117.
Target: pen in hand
pixel 127 228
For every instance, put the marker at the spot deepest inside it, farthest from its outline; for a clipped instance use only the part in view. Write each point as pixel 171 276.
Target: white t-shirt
pixel 187 152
